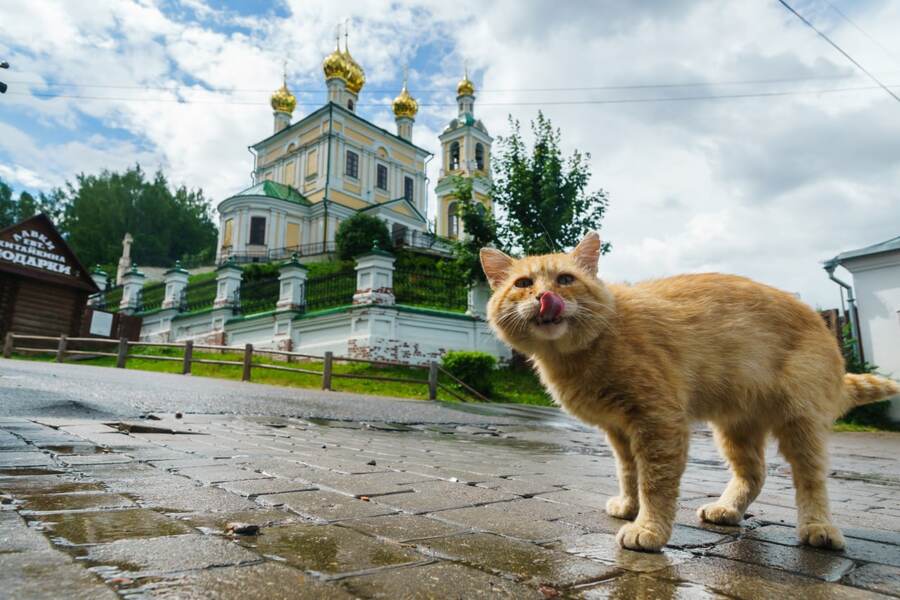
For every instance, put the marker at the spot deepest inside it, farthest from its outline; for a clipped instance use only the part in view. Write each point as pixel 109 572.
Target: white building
pixel 876 282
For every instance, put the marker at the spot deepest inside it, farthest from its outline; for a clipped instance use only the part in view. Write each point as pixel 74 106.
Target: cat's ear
pixel 587 252
pixel 495 265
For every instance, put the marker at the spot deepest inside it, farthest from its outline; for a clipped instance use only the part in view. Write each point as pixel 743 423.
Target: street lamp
pixel 3 65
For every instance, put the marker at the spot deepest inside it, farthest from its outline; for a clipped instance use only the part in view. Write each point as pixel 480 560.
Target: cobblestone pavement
pixel 92 509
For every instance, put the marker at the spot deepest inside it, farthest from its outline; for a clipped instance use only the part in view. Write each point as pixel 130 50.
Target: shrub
pixel 357 234
pixel 877 414
pixel 474 368
pixel 257 271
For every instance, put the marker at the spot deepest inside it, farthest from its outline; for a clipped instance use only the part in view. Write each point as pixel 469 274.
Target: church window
pixel 289 173
pixel 227 233
pixel 408 188
pixel 479 157
pixel 312 163
pixel 292 235
pixel 452 220
pixel 382 179
pixel 350 103
pixel 454 156
pixel 257 231
pixel 352 164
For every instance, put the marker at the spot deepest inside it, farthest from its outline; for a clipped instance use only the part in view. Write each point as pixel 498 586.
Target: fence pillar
pixel 176 280
pixel 188 357
pixel 228 284
pixel 101 280
pixel 292 280
pixel 432 380
pixel 8 345
pixel 326 371
pixel 122 355
pixel 61 348
pixel 132 284
pixel 248 362
pixel 374 277
pixel 478 297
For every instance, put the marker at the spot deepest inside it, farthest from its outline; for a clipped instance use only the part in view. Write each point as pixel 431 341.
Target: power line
pixel 862 31
pixel 841 50
pixel 635 86
pixel 446 104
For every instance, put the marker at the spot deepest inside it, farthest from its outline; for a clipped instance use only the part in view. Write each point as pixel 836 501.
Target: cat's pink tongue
pixel 552 306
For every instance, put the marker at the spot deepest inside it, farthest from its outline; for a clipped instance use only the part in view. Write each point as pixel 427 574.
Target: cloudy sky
pixel 799 161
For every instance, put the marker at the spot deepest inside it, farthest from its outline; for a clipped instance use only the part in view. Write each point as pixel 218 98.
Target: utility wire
pixel 444 104
pixel 886 50
pixel 841 50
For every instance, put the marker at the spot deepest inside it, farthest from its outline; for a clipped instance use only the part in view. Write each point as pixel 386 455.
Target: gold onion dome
pixel 283 100
pixel 356 77
pixel 465 87
pixel 335 65
pixel 405 105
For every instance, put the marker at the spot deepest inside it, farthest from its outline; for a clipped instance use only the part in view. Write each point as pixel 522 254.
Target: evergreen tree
pixel 479 229
pixel 7 206
pixel 541 196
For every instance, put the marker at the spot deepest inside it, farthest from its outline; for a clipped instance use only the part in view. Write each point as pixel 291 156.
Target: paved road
pixel 65 390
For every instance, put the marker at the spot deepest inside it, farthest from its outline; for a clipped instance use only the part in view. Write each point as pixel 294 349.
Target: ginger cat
pixel 644 361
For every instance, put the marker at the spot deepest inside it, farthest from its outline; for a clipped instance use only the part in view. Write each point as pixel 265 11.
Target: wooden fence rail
pixel 61 349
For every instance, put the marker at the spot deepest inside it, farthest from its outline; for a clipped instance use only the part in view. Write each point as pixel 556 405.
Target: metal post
pixel 432 380
pixel 188 357
pixel 326 371
pixel 8 345
pixel 61 348
pixel 248 357
pixel 123 353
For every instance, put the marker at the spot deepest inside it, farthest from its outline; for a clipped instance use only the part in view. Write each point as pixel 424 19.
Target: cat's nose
pixel 539 296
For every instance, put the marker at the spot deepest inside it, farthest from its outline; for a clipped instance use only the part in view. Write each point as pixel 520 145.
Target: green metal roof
pixel 394 201
pixel 890 245
pixel 272 189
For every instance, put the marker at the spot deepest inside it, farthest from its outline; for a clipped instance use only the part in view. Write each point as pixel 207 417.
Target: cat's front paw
pixel 821 535
pixel 644 537
pixel 720 514
pixel 622 507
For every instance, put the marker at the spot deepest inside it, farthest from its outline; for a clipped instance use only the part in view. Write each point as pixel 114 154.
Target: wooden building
pixel 43 286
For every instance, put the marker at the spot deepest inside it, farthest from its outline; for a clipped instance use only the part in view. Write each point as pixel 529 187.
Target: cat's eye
pixel 565 279
pixel 523 282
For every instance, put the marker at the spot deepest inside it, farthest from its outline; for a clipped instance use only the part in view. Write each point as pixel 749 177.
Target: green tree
pixel 356 235
pixel 7 206
pixel 166 225
pixel 543 197
pixel 480 230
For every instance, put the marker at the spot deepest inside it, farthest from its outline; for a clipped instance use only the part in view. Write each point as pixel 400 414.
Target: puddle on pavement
pixel 217 522
pixel 327 548
pixel 55 502
pixel 645 586
pixel 28 471
pixel 109 526
pixel 38 485
pixel 76 449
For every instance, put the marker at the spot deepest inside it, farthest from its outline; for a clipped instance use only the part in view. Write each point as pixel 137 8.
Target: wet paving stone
pixel 369 484
pixel 150 556
pixel 74 460
pixel 178 494
pixel 604 548
pixel 14 472
pixel 524 561
pixel 219 474
pixel 647 587
pixel 46 484
pixel 442 495
pixel 108 526
pixel 49 575
pixel 327 506
pixel 878 578
pixel 82 501
pixel 217 522
pixel 856 549
pixel 259 487
pixel 439 580
pixel 829 566
pixel 329 549
pixel 496 518
pixel 25 459
pixel 692 537
pixel 17 536
pixel 267 581
pixel 754 582
pixel 403 528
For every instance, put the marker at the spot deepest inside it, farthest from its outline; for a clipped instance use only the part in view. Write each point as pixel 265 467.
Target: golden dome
pixel 356 77
pixel 405 105
pixel 283 100
pixel 335 65
pixel 465 87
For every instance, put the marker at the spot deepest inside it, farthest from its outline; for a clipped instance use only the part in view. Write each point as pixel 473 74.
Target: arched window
pixel 454 156
pixel 452 221
pixel 479 157
pixel 350 103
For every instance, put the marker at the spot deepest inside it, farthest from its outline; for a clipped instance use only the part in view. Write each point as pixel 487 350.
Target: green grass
pixel 521 387
pixel 843 426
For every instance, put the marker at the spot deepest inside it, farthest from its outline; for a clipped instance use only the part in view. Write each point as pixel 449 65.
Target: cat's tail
pixel 865 389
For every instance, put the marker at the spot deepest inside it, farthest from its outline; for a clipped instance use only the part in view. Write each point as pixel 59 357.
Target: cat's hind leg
pixel 802 442
pixel 744 446
pixel 626 504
